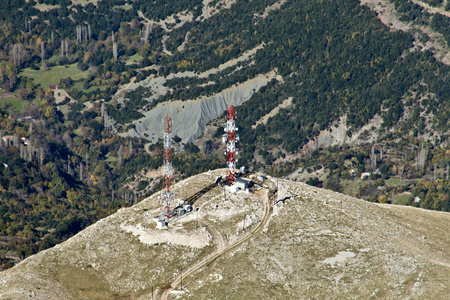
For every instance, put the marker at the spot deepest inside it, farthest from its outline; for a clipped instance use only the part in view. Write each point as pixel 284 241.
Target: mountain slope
pixel 336 61
pixel 314 243
pixel 306 75
pixel 355 60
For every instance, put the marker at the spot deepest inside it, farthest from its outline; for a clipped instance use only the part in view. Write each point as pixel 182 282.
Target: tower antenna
pixel 230 139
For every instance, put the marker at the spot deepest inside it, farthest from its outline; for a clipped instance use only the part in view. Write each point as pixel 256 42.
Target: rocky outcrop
pixel 191 117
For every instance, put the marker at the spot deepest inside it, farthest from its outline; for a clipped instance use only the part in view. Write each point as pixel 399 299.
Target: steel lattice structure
pixel 167 180
pixel 231 139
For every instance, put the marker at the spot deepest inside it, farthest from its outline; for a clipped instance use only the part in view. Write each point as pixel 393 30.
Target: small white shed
pixel 160 224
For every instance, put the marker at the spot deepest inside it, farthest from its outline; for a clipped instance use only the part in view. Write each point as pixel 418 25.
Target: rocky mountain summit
pixel 284 240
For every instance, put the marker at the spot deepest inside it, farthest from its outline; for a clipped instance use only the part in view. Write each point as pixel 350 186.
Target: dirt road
pixel 221 249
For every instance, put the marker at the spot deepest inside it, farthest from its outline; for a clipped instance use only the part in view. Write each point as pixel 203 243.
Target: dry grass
pixel 85 2
pixel 317 244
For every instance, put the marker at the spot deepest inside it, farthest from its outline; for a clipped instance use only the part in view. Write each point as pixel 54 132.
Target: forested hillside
pixel 358 94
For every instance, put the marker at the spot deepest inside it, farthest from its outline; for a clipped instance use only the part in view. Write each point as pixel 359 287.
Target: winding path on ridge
pixel 221 249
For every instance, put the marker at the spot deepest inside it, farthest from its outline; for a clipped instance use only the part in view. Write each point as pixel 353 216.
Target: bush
pixel 332 166
pixel 176 139
pixel 383 199
pixel 191 148
pixel 334 185
pixel 142 185
pixel 314 181
pixel 34 67
pixel 23 94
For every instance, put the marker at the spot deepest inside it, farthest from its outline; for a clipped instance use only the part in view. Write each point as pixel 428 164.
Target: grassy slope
pixel 53 75
pixel 14 102
pixel 134 59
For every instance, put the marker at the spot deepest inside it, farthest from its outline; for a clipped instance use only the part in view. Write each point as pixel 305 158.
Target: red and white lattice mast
pixel 166 194
pixel 231 138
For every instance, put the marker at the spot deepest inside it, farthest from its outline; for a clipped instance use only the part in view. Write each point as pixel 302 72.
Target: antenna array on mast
pixel 230 139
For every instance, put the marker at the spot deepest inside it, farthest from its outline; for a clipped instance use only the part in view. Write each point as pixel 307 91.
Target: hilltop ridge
pixel 311 243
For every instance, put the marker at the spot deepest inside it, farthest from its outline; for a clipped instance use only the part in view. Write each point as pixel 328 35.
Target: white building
pixel 364 175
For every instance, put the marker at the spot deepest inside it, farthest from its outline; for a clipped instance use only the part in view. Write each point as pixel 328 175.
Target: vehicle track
pixel 219 252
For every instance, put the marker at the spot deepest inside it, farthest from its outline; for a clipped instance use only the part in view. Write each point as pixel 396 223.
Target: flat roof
pixel 244 180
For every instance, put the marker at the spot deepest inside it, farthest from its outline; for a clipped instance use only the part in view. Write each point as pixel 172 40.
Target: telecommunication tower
pixel 230 139
pixel 167 180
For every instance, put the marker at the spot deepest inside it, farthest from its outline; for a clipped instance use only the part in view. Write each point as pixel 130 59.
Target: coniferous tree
pixel 81 171
pixel 66 46
pixel 41 155
pixel 115 53
pixel 422 158
pixel 131 148
pixel 42 51
pixel 120 156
